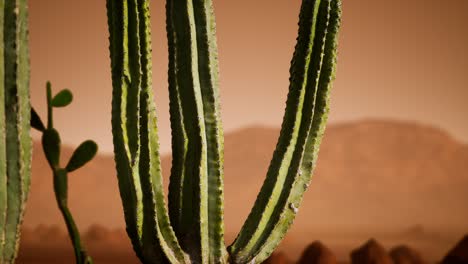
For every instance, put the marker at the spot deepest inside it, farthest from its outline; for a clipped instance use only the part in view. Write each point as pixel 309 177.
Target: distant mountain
pixel 370 174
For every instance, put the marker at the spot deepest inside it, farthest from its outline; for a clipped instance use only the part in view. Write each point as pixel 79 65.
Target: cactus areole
pixel 192 229
pixel 15 140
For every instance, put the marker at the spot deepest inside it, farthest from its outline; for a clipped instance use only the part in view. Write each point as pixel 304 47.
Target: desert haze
pixel 396 181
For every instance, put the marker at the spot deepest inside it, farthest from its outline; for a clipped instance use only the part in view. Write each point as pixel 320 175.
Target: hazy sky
pixel 399 59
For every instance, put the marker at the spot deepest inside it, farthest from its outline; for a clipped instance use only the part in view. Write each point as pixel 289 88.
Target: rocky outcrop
pixel 406 255
pixel 317 253
pixel 370 253
pixel 277 258
pixel 459 254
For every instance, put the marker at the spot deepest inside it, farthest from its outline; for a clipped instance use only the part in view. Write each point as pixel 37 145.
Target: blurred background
pixel 394 160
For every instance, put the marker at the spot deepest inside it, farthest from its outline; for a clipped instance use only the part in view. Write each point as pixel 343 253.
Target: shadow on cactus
pixel 192 230
pixel 51 146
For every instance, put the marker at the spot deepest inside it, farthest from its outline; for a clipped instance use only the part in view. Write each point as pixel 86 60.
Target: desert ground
pixel 397 182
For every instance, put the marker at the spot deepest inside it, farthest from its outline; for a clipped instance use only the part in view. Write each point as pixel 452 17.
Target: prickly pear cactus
pixel 192 230
pixel 15 140
pixel 51 145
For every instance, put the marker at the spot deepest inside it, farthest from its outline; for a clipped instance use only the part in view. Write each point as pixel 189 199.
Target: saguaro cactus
pixel 192 231
pixel 15 140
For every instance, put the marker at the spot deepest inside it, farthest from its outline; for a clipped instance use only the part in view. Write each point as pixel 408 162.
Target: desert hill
pixel 383 176
pixel 374 173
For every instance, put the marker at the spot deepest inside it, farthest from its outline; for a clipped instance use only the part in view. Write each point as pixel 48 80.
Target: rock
pixel 317 253
pixel 406 255
pixel 96 233
pixel 459 254
pixel 50 233
pixel 370 253
pixel 277 258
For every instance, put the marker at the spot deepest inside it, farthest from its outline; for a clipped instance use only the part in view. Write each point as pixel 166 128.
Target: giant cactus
pixel 15 140
pixel 192 230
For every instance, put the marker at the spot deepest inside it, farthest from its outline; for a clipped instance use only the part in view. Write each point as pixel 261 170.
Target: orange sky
pixel 398 59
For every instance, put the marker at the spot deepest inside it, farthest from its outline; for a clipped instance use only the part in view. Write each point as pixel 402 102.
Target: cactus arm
pixel 128 185
pixel 192 230
pixel 271 188
pixel 135 135
pixel 156 216
pixel 24 105
pixel 196 175
pixel 179 135
pixel 301 171
pixel 17 114
pixel 197 178
pixel 134 79
pixel 208 72
pixel 281 195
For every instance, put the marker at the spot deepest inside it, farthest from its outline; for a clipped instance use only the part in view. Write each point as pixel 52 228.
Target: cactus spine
pixel 196 184
pixel 15 145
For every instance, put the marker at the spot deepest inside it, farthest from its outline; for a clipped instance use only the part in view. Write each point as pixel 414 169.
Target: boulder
pixel 370 253
pixel 459 254
pixel 317 253
pixel 406 255
pixel 277 258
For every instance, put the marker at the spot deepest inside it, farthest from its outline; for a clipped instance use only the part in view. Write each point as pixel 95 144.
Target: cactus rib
pixel 129 189
pixel 150 158
pixel 196 189
pixel 289 174
pixel 193 231
pixel 208 72
pixel 135 134
pixel 15 86
pixel 177 181
pixel 3 156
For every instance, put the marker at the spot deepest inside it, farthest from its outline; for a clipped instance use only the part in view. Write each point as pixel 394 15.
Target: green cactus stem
pixel 312 70
pixel 192 230
pixel 135 136
pixel 51 145
pixel 16 144
pixel 196 187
